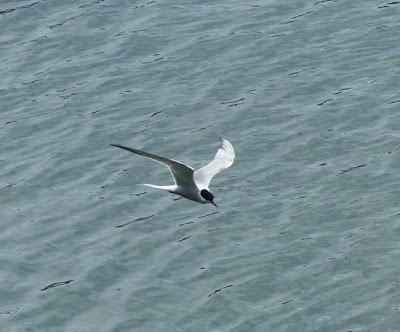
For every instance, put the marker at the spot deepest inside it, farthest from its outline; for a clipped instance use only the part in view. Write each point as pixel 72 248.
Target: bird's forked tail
pixel 168 188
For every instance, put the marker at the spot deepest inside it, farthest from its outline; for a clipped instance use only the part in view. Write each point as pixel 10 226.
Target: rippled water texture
pixel 307 234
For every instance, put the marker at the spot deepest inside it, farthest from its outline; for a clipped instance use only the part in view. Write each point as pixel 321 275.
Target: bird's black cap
pixel 207 196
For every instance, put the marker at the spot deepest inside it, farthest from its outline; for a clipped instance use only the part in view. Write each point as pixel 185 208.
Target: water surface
pixel 307 234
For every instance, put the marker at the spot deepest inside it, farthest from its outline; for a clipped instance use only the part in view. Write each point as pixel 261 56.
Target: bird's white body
pixel 188 192
pixel 189 183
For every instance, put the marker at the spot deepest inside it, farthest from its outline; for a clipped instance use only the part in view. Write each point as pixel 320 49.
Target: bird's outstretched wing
pixel 223 159
pixel 183 174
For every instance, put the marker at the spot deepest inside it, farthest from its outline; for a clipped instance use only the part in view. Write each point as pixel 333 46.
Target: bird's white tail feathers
pixel 168 188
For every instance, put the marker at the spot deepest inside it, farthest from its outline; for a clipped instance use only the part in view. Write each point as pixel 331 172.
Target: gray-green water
pixel 307 234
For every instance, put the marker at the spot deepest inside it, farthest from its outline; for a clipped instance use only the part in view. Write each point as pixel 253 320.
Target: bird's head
pixel 208 196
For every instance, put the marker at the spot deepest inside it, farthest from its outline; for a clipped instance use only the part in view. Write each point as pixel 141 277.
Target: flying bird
pixel 189 183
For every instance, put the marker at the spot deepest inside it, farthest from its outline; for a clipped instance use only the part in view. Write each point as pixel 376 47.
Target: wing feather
pixel 182 174
pixel 223 159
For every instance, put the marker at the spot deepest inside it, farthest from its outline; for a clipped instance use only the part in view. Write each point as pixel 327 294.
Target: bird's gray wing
pixel 183 174
pixel 223 159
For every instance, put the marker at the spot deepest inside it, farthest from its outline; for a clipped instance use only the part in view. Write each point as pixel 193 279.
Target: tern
pixel 189 183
